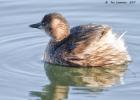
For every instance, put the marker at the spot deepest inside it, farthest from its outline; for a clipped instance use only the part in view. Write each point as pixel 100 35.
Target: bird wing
pixel 80 39
pixel 82 36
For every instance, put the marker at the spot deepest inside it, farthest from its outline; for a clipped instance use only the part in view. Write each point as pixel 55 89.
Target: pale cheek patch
pixel 59 29
pixel 55 22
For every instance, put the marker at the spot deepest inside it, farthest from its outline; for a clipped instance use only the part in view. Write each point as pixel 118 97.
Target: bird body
pixel 84 45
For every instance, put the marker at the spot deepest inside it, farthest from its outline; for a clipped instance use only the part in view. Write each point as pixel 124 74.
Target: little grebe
pixel 84 45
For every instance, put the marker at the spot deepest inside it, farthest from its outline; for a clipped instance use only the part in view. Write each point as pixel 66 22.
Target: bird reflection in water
pixel 88 81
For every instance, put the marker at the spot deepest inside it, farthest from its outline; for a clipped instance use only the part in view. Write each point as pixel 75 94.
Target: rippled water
pixel 23 76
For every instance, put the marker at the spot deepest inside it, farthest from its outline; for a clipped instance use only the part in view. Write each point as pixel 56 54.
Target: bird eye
pixel 43 24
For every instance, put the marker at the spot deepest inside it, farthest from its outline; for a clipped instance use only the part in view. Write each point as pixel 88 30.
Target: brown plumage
pixel 85 45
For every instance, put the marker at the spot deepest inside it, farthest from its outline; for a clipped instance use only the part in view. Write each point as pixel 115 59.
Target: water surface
pixel 23 76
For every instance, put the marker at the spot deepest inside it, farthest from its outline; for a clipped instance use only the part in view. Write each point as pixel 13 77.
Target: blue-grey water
pixel 23 76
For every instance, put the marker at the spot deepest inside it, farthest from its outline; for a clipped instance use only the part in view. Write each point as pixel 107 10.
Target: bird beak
pixel 37 25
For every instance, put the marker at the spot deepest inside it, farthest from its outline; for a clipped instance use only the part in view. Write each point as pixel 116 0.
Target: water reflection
pixel 85 80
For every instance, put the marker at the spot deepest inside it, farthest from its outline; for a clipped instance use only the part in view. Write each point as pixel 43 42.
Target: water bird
pixel 81 46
